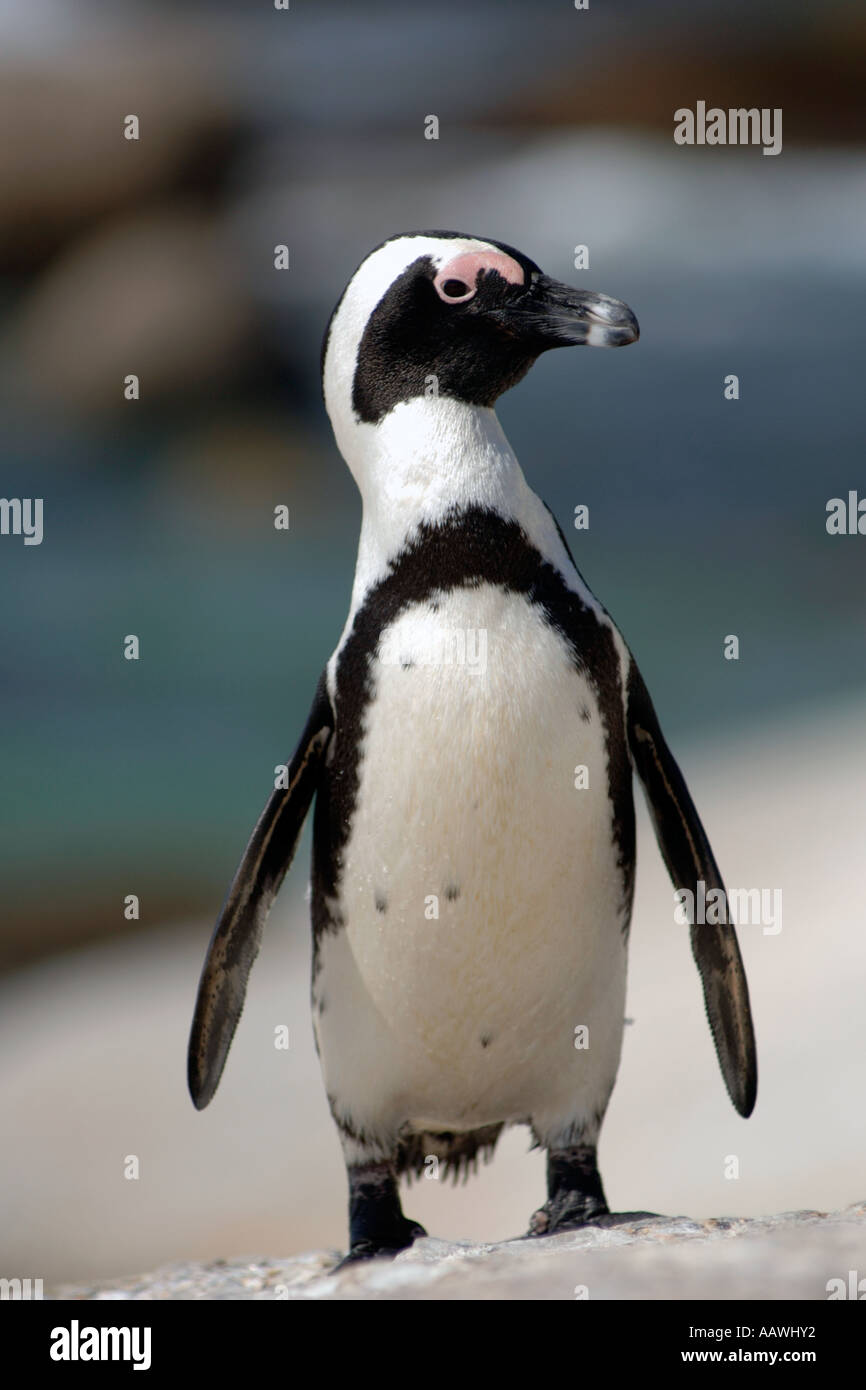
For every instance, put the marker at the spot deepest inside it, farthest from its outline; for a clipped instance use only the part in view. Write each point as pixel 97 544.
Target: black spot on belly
pixel 381 902
pixel 485 1040
pixel 452 892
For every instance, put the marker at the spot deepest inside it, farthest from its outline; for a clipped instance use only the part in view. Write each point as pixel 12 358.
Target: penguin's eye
pixel 454 291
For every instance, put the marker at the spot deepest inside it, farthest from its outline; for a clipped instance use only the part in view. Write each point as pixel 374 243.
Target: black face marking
pixel 412 335
pixel 471 341
pixel 511 251
pixel 468 548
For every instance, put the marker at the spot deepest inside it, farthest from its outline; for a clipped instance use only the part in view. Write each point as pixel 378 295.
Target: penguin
pixel 470 750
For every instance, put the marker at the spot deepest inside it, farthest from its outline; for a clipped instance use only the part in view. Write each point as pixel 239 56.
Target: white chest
pixel 480 889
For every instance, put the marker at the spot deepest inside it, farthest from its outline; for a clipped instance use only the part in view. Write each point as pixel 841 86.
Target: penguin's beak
pixel 555 315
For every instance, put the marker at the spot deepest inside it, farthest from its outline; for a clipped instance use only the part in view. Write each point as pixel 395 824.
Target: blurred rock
pixel 68 162
pixel 157 295
pixel 815 74
pixel 791 1256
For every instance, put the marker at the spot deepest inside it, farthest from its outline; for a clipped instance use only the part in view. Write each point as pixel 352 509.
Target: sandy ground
pixel 94 1059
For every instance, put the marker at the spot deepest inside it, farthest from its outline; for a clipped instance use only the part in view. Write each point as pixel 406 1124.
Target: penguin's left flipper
pixel 238 932
pixel 689 859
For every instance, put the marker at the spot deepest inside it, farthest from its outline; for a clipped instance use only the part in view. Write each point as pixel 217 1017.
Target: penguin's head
pixel 445 315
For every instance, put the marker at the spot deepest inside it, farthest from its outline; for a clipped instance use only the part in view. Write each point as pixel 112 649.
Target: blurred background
pixel 305 127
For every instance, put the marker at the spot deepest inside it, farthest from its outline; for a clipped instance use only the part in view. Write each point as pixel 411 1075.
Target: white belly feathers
pixel 480 889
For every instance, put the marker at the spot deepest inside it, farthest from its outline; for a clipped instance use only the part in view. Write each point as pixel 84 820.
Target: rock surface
pixel 789 1256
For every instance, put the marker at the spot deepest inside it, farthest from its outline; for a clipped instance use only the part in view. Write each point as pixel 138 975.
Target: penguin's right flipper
pixel 689 859
pixel 238 932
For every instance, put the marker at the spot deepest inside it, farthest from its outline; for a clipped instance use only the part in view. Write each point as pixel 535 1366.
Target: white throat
pixel 427 457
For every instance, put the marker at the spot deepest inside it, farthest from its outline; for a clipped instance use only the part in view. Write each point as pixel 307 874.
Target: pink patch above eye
pixel 467 267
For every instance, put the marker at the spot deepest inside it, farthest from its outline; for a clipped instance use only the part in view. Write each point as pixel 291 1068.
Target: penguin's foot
pixel 625 1218
pixel 368 1249
pixel 575 1196
pixel 377 1227
pixel 567 1212
pixel 573 1215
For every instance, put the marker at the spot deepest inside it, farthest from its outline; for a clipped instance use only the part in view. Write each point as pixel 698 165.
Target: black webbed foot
pixel 370 1250
pixel 377 1227
pixel 575 1196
